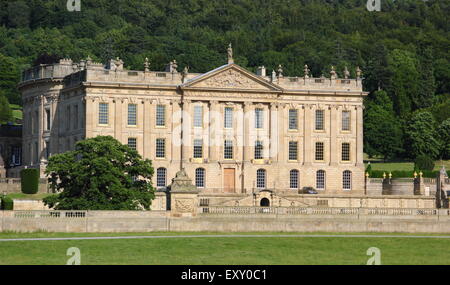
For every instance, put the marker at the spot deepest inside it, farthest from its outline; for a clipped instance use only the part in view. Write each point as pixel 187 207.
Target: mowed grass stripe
pixel 231 250
pixel 217 236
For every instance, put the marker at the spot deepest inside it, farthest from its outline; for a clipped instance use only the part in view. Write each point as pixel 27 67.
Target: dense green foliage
pixel 29 180
pixel 100 174
pixel 423 162
pixel 5 110
pixel 404 173
pixel 403 50
pixel 6 203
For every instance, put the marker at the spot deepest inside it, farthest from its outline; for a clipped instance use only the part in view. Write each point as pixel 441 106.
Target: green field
pixel 224 250
pixel 404 165
pixel 23 196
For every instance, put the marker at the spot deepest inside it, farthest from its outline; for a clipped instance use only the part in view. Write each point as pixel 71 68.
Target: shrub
pixel 7 203
pixel 30 180
pixel 404 173
pixel 424 162
pixel 369 170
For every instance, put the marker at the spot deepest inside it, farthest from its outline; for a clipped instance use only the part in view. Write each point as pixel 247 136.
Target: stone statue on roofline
pixel 119 64
pixel 280 71
pixel 333 73
pixel 230 54
pixel 146 65
pixel 306 71
pixel 346 73
pixel 358 72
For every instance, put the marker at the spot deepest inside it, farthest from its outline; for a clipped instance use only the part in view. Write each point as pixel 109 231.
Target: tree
pixel 5 110
pixel 382 131
pixel 421 136
pixel 427 83
pixel 100 174
pixel 9 77
pixel 444 138
pixel 404 81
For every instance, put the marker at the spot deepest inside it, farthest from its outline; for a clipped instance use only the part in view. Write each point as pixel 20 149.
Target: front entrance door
pixel 228 180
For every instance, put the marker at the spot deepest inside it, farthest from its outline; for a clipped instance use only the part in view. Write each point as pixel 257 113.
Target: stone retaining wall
pixel 229 220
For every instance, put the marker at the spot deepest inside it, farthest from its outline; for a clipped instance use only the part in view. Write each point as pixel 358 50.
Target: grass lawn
pixel 378 164
pixel 227 251
pixel 22 196
pixel 16 111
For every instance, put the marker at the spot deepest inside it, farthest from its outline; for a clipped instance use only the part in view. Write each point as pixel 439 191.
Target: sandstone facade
pixel 233 131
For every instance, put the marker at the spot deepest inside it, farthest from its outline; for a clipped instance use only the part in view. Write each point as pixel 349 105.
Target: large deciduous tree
pixel 421 136
pixel 100 174
pixel 382 131
pixel 444 137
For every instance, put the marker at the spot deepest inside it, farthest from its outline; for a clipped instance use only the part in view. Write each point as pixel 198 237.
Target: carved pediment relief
pixel 233 77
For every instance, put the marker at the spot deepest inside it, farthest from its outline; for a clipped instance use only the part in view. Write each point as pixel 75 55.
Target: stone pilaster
pixel 359 136
pixel 214 126
pixel 147 125
pixel 334 125
pixel 118 118
pixel 308 125
pixel 274 131
pixel 247 125
pixel 186 131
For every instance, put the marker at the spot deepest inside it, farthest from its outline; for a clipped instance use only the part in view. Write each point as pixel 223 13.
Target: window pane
pixel 132 143
pixel 293 150
pixel 345 151
pixel 228 149
pixel 132 114
pixel 293 181
pixel 347 180
pixel 319 150
pixel 198 116
pixel 160 115
pixel 346 120
pixel 198 148
pixel 160 148
pixel 103 113
pixel 293 119
pixel 259 119
pixel 260 178
pixel 259 150
pixel 319 119
pixel 161 174
pixel 200 177
pixel 320 179
pixel 228 119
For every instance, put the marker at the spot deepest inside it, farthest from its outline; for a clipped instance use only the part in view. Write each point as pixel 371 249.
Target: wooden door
pixel 228 180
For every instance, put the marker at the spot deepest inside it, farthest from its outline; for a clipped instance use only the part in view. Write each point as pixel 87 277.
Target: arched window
pixel 200 177
pixel 261 178
pixel 347 180
pixel 320 179
pixel 293 179
pixel 161 177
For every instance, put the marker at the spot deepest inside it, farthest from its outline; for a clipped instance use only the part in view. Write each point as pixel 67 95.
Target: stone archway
pixel 264 202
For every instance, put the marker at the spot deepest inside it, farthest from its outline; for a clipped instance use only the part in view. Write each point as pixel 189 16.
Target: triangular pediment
pixel 231 76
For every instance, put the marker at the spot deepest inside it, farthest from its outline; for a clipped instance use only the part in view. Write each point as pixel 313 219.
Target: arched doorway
pixel 264 202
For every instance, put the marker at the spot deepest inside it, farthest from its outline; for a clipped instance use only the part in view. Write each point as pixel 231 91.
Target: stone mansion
pixel 234 132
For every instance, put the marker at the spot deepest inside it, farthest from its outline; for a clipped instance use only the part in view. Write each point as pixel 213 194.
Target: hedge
pixel 404 173
pixel 30 180
pixel 7 203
